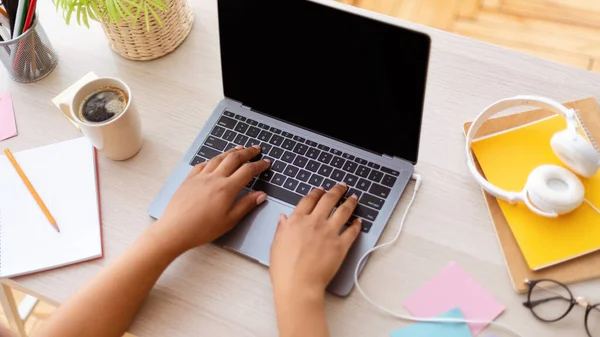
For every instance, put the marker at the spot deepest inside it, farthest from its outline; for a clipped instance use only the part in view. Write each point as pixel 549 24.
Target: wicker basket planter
pixel 135 42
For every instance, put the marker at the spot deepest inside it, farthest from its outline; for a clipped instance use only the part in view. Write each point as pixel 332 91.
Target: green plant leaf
pixel 68 18
pixel 157 4
pixel 92 14
pixel 79 15
pixel 107 7
pixel 118 6
pixel 137 14
pixel 132 3
pixel 146 16
pixel 128 15
pixel 95 12
pixel 110 10
pixel 155 16
pixel 85 14
pixel 113 15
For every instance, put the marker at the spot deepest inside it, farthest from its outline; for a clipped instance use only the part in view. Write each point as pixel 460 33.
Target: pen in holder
pixel 29 57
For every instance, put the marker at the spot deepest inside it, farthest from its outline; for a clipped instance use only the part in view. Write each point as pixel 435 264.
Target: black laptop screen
pixel 355 79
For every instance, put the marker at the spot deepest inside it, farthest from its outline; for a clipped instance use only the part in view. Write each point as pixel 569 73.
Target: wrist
pixel 161 235
pixel 301 312
pixel 299 295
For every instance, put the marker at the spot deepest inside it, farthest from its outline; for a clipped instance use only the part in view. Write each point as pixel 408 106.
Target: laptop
pixel 332 94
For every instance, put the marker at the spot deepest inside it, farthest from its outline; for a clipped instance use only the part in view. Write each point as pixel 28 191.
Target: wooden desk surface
pixel 212 292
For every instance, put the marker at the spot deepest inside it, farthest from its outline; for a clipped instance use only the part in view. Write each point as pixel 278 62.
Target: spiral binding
pixel 585 129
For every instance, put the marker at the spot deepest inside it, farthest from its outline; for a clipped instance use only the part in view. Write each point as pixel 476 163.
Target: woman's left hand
pixel 203 207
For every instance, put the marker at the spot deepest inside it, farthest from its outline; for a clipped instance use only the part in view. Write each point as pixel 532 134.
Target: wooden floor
pixel 565 31
pixel 41 311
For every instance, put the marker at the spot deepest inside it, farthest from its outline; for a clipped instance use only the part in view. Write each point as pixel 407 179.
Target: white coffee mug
pixel 119 138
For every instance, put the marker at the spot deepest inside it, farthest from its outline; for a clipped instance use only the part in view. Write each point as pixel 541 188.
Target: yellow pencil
pixel 31 189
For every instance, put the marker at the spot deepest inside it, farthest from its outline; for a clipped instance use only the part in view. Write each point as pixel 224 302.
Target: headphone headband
pixel 497 107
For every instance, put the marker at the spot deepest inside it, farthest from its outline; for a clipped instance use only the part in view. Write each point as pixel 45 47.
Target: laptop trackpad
pixel 254 234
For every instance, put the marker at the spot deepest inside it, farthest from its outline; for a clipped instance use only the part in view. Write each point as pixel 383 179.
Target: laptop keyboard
pixel 299 165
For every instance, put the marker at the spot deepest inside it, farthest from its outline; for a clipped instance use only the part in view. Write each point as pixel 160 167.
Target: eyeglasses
pixel 551 301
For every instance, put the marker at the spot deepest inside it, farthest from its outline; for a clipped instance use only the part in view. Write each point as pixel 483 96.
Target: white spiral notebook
pixel 65 177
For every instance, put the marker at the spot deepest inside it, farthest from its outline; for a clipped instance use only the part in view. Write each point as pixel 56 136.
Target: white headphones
pixel 550 190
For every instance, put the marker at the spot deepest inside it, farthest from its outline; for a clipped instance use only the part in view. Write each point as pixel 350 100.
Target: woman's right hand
pixel 308 248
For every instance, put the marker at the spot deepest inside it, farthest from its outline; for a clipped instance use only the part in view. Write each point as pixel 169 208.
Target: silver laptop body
pixel 254 234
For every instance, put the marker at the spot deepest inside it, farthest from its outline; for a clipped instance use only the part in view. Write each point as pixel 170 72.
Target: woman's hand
pixel 308 249
pixel 307 252
pixel 203 207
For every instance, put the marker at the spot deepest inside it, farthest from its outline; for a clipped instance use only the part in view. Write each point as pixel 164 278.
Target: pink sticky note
pixel 8 126
pixel 453 288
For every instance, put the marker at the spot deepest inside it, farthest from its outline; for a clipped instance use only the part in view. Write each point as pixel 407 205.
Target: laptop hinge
pixel 246 107
pixel 387 156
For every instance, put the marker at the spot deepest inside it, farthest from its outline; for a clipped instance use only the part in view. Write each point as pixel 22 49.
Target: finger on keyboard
pixel 343 213
pixel 233 161
pixel 215 157
pixel 330 199
pixel 308 203
pixel 248 171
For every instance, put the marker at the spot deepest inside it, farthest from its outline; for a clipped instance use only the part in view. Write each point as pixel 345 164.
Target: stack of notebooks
pixel 507 149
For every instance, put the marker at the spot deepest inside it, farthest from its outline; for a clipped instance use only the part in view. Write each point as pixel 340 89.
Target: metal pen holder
pixel 30 57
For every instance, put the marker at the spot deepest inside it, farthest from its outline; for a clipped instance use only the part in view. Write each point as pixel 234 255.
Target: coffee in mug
pixel 105 111
pixel 103 104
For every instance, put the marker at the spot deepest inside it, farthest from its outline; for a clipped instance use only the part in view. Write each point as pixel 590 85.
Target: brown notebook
pixel 576 270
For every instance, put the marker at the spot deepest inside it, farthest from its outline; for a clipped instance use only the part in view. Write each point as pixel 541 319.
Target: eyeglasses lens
pixel 550 300
pixel 593 321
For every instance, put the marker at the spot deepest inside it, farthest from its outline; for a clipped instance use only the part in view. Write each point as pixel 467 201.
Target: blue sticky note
pixel 435 329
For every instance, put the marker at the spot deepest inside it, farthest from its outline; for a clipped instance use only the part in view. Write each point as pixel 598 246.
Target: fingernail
pixel 321 188
pixel 239 147
pixel 359 220
pixel 261 198
pixel 354 196
pixel 343 184
pixel 256 146
pixel 267 160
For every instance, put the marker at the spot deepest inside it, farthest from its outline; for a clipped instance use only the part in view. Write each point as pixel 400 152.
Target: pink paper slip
pixel 453 288
pixel 8 127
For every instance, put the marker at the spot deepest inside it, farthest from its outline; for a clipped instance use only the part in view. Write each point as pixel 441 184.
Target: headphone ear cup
pixel 553 188
pixel 576 153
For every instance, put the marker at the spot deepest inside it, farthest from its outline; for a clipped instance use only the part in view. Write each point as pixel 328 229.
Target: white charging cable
pixel 417 179
pixel 592 206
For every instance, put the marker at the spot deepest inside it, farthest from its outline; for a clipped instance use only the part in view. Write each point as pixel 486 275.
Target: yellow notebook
pixel 506 159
